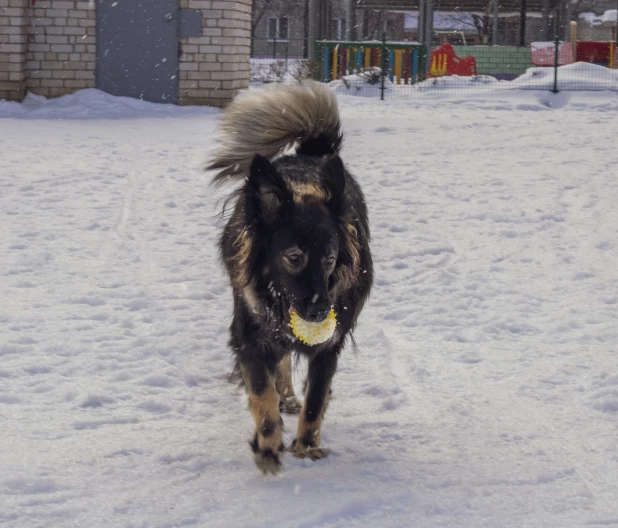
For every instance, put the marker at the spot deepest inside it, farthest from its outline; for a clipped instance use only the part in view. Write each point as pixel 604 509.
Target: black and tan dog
pixel 297 240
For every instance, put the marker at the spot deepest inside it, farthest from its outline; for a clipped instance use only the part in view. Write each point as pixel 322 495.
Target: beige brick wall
pixel 61 47
pixel 215 66
pixel 13 20
pixel 49 48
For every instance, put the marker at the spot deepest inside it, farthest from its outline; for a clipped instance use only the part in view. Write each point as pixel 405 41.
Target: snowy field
pixel 484 392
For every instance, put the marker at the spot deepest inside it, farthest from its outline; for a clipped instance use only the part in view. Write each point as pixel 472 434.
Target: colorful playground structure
pixel 444 61
pixel 404 61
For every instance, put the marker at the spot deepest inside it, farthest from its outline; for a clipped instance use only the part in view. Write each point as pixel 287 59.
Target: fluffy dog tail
pixel 269 120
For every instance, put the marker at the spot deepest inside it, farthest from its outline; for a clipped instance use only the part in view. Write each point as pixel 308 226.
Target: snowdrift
pixel 92 104
pixel 577 77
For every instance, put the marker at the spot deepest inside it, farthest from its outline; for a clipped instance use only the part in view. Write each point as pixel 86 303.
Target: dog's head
pixel 307 248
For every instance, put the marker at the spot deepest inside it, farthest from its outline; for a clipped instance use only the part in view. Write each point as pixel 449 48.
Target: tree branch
pixel 258 14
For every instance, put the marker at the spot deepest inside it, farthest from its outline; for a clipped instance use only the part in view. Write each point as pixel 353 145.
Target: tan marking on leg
pixel 283 378
pixel 289 403
pixel 307 442
pixel 314 426
pixel 309 429
pixel 265 411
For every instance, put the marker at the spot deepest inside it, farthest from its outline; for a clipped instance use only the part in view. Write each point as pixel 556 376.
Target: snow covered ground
pixel 572 77
pixel 484 392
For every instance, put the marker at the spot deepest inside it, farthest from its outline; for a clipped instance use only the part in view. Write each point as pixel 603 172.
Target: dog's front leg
pixel 267 444
pixel 322 368
pixel 288 403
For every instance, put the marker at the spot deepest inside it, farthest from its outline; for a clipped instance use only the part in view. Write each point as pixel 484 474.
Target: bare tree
pixel 480 23
pixel 371 33
pixel 259 8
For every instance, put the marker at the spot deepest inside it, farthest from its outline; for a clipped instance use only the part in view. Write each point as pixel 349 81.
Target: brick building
pixel 175 51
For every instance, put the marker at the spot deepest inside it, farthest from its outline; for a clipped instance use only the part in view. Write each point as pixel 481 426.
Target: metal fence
pixel 265 48
pixel 402 69
pixel 277 60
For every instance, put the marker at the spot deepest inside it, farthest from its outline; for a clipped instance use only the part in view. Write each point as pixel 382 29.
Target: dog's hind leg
pixel 322 368
pixel 267 444
pixel 288 403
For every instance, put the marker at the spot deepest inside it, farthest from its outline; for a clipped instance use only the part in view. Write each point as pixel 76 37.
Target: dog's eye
pixel 294 258
pixel 330 260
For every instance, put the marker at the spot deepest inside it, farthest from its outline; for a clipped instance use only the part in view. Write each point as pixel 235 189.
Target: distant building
pixel 281 27
pixel 460 29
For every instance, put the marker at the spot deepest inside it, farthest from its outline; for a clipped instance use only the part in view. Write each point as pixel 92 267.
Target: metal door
pixel 137 49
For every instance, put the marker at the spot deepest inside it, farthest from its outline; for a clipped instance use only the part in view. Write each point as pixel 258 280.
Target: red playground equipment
pixel 445 62
pixel 602 53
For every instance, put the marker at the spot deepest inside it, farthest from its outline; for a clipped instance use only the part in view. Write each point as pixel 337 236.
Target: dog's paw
pixel 267 462
pixel 302 451
pixel 290 405
pixel 266 459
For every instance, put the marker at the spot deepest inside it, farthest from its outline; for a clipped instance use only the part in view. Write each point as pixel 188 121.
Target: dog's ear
pixel 334 181
pixel 267 192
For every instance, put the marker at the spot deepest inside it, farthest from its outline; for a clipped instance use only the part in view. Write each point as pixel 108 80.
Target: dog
pixel 296 239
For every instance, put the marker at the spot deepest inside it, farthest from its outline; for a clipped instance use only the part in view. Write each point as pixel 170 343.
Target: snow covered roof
pixel 593 19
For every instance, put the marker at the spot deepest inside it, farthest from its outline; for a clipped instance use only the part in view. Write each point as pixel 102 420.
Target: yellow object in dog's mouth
pixel 313 333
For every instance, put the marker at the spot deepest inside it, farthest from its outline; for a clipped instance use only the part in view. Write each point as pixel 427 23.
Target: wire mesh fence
pixel 274 48
pixel 404 69
pixel 279 60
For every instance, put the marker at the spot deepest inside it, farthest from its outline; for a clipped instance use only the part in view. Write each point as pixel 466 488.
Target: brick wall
pixel 215 66
pixel 49 48
pixel 61 47
pixel 13 21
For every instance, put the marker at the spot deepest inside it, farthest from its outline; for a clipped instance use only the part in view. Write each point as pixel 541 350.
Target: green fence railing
pixel 501 62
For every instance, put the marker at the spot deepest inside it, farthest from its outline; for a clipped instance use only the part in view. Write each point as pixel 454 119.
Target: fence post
pixel 326 57
pixel 275 48
pixel 383 73
pixel 555 90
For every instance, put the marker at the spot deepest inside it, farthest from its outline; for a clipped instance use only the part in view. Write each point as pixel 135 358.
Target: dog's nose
pixel 317 308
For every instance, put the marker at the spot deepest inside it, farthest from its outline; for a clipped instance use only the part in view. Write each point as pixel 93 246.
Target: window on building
pixel 337 29
pixel 278 28
pixel 272 27
pixel 283 28
pixel 389 29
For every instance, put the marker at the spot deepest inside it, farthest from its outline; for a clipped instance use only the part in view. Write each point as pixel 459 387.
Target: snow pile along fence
pixel 406 69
